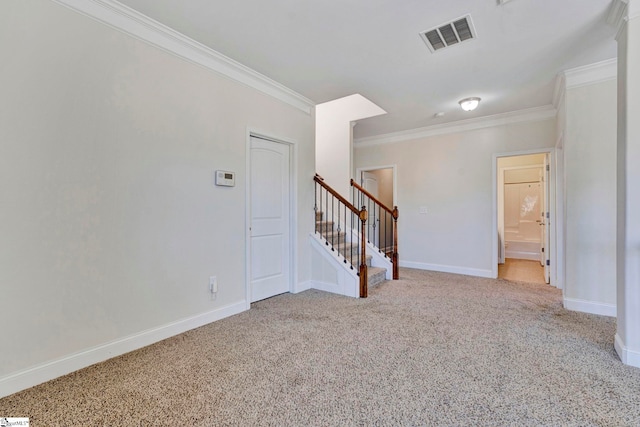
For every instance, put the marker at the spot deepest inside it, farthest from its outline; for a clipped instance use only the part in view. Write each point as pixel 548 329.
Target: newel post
pixel 394 256
pixel 363 252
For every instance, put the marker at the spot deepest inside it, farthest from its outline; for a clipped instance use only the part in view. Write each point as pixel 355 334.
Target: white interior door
pixel 370 183
pixel 270 219
pixel 545 259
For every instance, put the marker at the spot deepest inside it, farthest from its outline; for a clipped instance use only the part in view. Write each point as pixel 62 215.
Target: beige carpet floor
pixel 429 349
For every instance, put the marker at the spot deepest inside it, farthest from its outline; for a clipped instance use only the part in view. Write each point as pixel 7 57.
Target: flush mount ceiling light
pixel 469 104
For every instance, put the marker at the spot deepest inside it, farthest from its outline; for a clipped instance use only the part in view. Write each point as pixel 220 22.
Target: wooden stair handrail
pixel 362 216
pixel 364 279
pixel 393 212
pixel 395 261
pixel 333 192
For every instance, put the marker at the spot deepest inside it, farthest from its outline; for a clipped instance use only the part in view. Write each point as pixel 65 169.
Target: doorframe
pixel 501 173
pixel 555 240
pixel 373 168
pixel 561 219
pixel 293 208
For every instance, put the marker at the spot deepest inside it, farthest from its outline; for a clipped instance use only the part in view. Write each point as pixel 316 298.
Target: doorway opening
pixel 523 218
pixel 380 181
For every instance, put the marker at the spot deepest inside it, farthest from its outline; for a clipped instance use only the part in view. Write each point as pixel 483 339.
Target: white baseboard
pixel 590 307
pixel 628 357
pixel 47 371
pixel 448 269
pixel 301 287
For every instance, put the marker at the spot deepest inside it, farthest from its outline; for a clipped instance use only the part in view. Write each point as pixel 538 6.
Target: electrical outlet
pixel 213 284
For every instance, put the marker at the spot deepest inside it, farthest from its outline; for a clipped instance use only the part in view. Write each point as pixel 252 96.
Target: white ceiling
pixel 327 49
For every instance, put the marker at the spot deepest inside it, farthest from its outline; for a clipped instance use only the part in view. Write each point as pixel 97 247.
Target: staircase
pixel 336 240
pixel 346 259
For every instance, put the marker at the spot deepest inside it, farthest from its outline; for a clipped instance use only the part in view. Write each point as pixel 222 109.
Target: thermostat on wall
pixel 225 179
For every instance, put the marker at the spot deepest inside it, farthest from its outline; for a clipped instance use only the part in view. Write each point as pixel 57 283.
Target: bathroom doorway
pixel 523 218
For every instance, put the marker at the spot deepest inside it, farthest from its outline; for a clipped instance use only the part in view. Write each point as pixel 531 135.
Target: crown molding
pixel 617 12
pixel 620 13
pixel 135 24
pixel 559 90
pixel 591 74
pixel 528 115
pixel 582 76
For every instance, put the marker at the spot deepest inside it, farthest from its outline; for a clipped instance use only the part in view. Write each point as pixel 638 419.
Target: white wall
pixel 110 222
pixel 333 153
pixel 590 195
pixel 451 175
pixel 334 138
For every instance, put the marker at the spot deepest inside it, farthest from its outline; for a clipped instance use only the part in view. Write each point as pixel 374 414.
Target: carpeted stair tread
pixel 333 234
pixel 376 275
pixel 335 240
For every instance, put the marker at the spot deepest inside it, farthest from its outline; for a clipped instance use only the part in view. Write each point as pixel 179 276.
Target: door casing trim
pixel 555 239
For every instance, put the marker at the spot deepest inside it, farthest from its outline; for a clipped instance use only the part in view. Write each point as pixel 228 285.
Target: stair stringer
pixel 329 272
pixel 378 259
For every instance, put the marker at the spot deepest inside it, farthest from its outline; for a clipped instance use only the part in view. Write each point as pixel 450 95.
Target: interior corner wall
pixel 333 148
pixel 110 221
pixel 334 138
pixel 451 176
pixel 627 342
pixel 590 197
pixel 560 200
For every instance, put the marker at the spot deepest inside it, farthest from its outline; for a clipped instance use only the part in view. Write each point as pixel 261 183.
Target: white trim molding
pixel 552 187
pixel 559 90
pixel 617 15
pixel 583 76
pixel 527 115
pixel 617 12
pixel 65 365
pixel 302 286
pixel 591 307
pixel 466 271
pixel 131 22
pixel 628 357
pixel 591 74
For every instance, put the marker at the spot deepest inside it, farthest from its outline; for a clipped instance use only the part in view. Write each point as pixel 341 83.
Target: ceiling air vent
pixel 448 34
